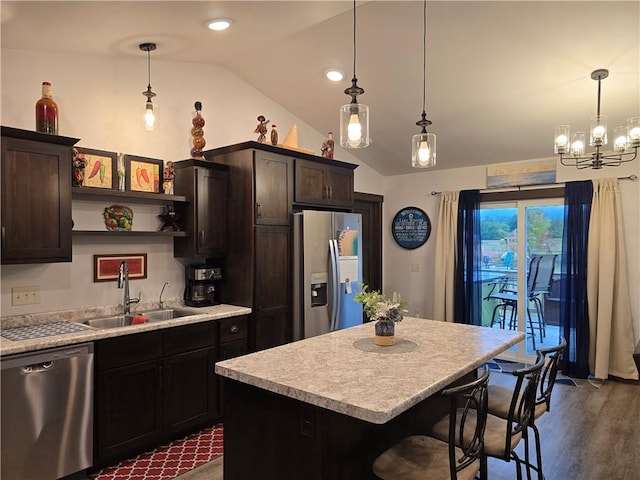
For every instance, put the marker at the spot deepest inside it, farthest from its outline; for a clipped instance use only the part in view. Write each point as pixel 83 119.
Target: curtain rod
pixel 633 178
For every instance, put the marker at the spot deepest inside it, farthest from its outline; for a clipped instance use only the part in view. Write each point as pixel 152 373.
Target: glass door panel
pixel 512 235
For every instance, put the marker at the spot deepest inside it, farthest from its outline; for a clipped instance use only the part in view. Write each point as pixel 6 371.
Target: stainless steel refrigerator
pixel 327 272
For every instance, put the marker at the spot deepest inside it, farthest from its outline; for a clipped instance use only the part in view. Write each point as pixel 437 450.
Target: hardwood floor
pixel 590 433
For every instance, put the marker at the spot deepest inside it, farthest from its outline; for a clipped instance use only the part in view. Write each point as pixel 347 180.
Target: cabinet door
pixel 205 217
pixel 273 189
pixel 340 186
pixel 36 202
pixel 272 320
pixel 128 411
pixel 211 205
pixel 190 391
pixel 311 185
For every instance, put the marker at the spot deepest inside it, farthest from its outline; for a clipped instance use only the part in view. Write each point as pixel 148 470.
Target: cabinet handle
pixel 330 188
pixel 258 210
pixel 234 329
pixel 326 192
pixel 201 236
pixel 2 239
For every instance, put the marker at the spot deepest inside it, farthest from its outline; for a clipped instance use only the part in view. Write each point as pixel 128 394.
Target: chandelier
pixel 626 140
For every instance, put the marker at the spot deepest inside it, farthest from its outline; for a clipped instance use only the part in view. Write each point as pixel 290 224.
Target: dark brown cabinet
pixel 152 387
pixel 35 171
pixel 204 218
pixel 272 324
pixel 321 184
pixel 273 189
pixel 257 265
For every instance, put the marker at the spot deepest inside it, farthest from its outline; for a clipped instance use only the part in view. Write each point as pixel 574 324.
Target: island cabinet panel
pixel 35 209
pixel 152 387
pixel 204 217
pixel 321 184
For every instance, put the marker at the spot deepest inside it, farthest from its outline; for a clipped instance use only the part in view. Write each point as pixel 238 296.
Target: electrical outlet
pixel 25 295
pixel 415 267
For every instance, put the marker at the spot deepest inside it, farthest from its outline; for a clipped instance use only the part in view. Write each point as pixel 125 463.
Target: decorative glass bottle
pixel 47 111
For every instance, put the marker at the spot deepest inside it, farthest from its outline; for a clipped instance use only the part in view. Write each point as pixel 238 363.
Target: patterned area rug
pixel 168 461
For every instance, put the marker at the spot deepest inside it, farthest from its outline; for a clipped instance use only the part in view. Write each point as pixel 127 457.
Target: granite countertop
pixel 90 334
pixel 345 372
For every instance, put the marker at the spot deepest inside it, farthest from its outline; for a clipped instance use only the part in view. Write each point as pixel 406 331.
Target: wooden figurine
pixel 328 146
pixel 261 129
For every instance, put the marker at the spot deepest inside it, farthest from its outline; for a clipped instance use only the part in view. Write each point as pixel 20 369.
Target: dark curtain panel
pixel 468 287
pixel 574 313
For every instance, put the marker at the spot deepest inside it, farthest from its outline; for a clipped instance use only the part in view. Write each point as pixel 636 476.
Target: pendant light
pixel 423 144
pixel 354 117
pixel 149 112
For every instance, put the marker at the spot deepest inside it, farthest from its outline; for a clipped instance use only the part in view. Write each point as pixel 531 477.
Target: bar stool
pixel 500 396
pixel 421 456
pixel 502 435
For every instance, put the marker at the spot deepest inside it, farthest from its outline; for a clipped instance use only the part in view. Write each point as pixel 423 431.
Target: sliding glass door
pixel 521 248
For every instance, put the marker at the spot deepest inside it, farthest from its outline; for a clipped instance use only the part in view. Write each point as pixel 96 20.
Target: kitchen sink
pixel 127 319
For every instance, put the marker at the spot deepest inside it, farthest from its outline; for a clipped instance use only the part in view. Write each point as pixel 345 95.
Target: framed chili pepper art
pixel 143 174
pixel 95 168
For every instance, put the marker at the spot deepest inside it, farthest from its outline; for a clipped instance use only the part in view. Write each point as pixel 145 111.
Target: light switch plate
pixel 25 295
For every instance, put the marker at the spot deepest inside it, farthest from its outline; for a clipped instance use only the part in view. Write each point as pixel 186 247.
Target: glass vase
pixel 385 332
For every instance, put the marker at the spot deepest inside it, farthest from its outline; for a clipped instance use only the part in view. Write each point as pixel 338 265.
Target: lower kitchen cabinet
pixel 153 387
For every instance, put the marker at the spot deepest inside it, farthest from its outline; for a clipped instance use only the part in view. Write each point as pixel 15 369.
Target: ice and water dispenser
pixel 319 289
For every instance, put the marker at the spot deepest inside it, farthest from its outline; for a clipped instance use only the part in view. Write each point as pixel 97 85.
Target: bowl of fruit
pixel 118 218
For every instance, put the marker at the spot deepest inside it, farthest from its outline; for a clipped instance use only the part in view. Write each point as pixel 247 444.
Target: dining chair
pixel 539 282
pixel 500 396
pixel 458 456
pixel 502 435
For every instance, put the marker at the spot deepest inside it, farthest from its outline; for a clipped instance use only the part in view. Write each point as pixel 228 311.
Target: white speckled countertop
pixel 9 347
pixel 344 372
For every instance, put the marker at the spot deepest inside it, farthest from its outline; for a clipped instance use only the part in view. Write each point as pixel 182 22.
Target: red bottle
pixel 47 111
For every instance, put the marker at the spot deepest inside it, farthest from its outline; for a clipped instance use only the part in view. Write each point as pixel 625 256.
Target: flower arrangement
pixel 377 307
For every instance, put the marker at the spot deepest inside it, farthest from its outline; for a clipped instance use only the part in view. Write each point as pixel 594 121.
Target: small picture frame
pixel 143 174
pixel 106 266
pixel 100 168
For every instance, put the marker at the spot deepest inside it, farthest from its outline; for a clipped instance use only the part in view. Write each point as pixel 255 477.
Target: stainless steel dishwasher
pixel 47 413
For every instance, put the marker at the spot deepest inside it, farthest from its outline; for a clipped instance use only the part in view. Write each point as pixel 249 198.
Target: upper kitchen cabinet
pixel 35 183
pixel 204 217
pixel 323 184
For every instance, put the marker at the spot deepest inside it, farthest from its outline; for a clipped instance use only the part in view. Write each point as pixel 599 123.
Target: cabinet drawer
pixel 128 350
pixel 190 337
pixel 233 349
pixel 234 328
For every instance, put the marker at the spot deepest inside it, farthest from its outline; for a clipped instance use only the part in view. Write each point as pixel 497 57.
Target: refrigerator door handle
pixel 335 280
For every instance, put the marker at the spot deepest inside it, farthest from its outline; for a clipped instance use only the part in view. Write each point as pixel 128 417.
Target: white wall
pixel 415 190
pixel 100 102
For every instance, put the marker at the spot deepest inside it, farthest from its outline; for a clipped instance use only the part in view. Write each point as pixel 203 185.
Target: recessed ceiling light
pixel 334 75
pixel 219 24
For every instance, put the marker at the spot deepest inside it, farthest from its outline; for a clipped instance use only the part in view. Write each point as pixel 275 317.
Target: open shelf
pixel 107 233
pixel 102 193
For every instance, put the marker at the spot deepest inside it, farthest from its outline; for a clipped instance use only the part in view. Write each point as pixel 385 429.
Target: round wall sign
pixel 411 227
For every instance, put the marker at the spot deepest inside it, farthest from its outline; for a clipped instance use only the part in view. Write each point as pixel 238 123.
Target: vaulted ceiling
pixel 500 75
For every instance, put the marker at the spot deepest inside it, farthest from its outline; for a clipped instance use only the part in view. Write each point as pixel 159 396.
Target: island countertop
pixel 345 372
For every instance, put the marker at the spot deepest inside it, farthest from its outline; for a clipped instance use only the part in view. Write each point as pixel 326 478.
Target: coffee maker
pixel 201 283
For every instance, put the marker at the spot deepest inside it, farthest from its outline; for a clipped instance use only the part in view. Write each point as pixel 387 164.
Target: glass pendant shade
pixel 598 135
pixel 354 126
pixel 423 150
pixel 150 116
pixel 633 131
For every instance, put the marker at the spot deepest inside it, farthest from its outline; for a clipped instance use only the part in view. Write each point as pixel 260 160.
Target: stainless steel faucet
pixel 123 281
pixel 166 284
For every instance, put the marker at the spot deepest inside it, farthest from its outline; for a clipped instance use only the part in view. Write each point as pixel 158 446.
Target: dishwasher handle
pixel 36 367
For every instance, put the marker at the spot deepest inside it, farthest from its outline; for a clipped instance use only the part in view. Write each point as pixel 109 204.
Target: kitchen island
pixel 326 406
